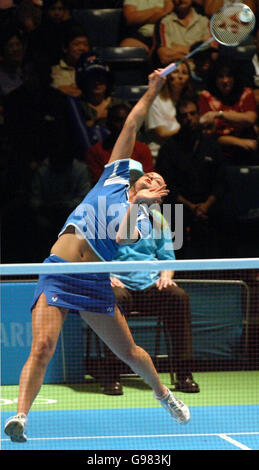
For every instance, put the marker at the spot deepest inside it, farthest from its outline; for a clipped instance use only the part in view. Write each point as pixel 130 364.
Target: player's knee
pixel 43 350
pixel 133 354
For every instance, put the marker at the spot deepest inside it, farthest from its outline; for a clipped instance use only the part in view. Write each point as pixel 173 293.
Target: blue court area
pixel 211 428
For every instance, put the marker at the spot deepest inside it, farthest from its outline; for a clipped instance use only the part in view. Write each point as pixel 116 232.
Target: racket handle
pixel 173 66
pixel 170 68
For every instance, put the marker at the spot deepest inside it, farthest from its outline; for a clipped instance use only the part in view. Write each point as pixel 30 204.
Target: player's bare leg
pixel 46 325
pixel 115 333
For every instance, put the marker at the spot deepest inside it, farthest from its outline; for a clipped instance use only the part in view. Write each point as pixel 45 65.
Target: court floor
pixel 224 416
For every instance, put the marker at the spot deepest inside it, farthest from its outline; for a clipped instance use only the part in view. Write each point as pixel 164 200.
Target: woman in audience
pixel 228 109
pixel 161 122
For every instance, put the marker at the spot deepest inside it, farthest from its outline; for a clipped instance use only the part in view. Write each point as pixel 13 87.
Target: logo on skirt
pixel 54 298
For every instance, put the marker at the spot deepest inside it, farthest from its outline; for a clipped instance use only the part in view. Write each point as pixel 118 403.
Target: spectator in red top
pixel 228 109
pixel 98 155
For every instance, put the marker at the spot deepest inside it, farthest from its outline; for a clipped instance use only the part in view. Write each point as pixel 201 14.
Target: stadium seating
pixel 130 93
pixel 130 65
pixel 243 196
pixel 102 26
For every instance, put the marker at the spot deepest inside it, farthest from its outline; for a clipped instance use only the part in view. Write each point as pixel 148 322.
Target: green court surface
pixel 216 389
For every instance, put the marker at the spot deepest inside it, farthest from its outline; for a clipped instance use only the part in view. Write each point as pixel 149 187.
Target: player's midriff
pixel 73 248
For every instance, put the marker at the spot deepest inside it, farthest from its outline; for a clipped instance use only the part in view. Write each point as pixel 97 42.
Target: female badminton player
pixel 92 233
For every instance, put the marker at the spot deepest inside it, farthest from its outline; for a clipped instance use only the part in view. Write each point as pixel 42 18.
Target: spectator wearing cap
pixel 89 111
pixel 75 44
pixel 99 154
pixel 95 80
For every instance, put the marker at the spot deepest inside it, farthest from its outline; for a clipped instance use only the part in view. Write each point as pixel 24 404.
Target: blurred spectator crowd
pixel 70 71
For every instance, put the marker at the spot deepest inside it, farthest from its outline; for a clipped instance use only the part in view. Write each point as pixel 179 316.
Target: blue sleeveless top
pixel 98 216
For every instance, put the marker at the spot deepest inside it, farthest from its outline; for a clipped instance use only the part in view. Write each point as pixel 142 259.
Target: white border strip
pixel 234 442
pixel 123 266
pixel 147 436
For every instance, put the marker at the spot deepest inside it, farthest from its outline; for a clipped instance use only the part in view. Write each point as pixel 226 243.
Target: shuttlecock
pixel 246 14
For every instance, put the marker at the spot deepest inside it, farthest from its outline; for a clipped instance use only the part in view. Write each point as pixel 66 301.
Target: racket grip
pixel 170 68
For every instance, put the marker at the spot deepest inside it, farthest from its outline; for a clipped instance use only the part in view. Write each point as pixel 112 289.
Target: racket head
pixel 232 24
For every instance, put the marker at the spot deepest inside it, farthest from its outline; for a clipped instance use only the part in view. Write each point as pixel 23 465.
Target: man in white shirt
pixel 175 33
pixel 63 74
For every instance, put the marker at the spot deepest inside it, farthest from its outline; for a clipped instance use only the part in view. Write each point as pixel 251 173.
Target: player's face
pixel 149 180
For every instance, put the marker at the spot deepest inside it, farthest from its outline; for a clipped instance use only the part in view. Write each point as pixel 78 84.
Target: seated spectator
pixel 95 80
pixel 58 185
pixel 154 293
pixel 75 43
pixel 200 66
pixel 29 113
pixel 212 6
pixel 89 111
pixel 47 39
pixel 161 122
pixel 228 109
pixel 192 165
pixel 176 32
pixel 12 52
pixel 98 155
pixel 140 17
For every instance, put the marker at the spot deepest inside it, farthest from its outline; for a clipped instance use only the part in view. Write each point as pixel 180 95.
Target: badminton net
pixel 219 338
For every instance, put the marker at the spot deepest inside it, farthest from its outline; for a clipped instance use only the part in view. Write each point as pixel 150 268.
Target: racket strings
pixel 227 26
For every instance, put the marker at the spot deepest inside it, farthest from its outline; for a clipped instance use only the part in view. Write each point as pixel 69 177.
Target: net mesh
pixel 232 24
pixel 207 329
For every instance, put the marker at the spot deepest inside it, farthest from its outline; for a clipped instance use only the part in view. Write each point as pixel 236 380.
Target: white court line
pixel 223 436
pixel 234 442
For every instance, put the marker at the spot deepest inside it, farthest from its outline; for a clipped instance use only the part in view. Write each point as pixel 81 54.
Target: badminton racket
pixel 229 26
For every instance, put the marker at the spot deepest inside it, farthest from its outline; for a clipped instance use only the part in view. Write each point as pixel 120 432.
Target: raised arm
pixel 124 145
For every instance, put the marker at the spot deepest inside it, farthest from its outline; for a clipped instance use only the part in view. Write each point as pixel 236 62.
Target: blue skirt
pixel 77 292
